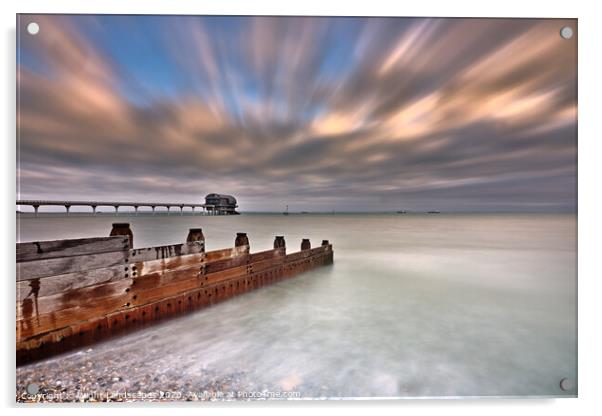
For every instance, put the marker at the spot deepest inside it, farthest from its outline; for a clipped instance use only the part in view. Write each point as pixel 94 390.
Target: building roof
pixel 230 198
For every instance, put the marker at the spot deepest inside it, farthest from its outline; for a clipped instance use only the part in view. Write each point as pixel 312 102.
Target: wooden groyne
pixel 72 293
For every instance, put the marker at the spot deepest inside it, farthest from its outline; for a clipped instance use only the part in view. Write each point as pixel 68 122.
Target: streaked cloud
pixel 316 113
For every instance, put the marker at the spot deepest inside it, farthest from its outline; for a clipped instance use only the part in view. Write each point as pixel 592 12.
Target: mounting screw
pixel 566 32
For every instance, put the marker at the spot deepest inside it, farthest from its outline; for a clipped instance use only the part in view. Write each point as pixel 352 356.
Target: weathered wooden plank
pixel 140 268
pixel 152 288
pixel 159 279
pixel 266 264
pixel 265 255
pixel 39 250
pixel 227 274
pixel 62 265
pixel 32 324
pixel 163 252
pixel 307 253
pixel 319 250
pixel 216 266
pixel 227 253
pixel 77 298
pixel 174 281
pixel 191 269
pixel 47 286
pixel 159 292
pixel 298 255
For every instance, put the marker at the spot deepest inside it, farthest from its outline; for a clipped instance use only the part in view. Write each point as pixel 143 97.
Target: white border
pixel 590 202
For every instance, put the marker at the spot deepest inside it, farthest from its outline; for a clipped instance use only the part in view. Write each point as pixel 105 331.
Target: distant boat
pixel 433 212
pixel 402 212
pixel 285 212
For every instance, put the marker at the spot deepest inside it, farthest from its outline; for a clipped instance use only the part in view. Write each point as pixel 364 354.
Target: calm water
pixel 414 305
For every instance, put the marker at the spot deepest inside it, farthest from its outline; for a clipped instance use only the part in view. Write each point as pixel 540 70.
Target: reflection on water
pixel 414 305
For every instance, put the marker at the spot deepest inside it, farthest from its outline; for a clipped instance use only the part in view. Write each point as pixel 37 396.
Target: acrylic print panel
pixel 250 207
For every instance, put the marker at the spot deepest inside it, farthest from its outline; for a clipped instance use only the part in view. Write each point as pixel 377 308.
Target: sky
pixel 318 113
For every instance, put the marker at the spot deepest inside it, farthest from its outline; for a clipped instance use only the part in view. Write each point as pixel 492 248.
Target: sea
pixel 415 305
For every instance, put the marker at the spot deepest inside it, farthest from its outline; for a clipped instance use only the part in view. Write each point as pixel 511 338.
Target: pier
pixel 72 293
pixel 206 209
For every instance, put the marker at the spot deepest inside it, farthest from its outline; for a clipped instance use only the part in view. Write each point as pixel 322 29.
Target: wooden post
pixel 123 228
pixel 325 242
pixel 305 244
pixel 280 243
pixel 195 234
pixel 241 240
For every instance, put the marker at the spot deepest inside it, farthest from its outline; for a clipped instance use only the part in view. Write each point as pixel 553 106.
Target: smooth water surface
pixel 414 305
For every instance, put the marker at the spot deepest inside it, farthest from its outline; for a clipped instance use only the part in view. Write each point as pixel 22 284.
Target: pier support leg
pixel 35 207
pixel 116 210
pixel 93 209
pixel 153 209
pixel 181 211
pixel 168 211
pixel 67 207
pixel 193 210
pixel 136 209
